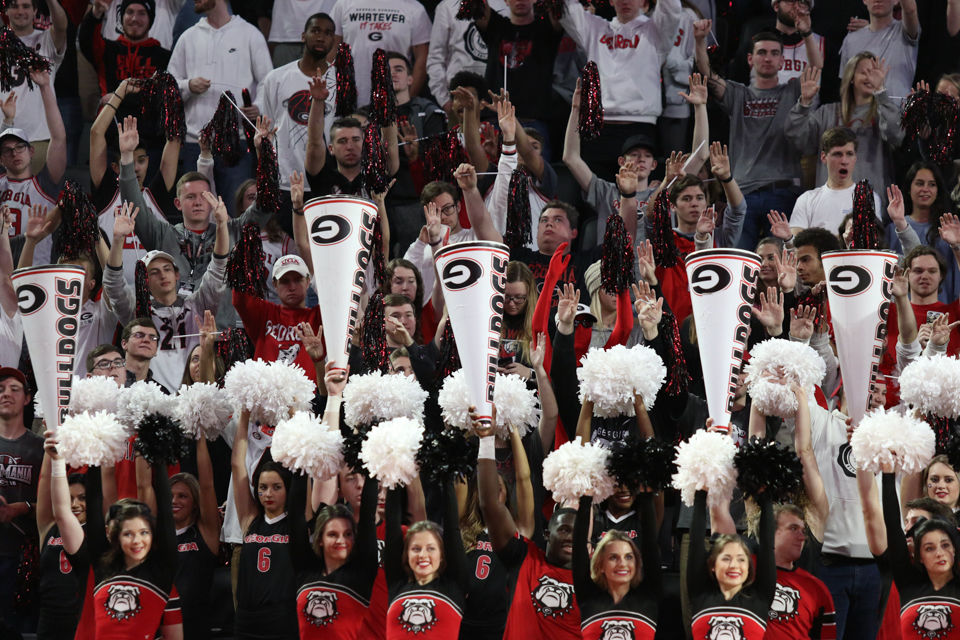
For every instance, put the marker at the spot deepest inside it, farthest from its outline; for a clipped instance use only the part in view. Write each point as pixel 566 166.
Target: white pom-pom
pixel 140 399
pixel 375 397
pixel 302 443
pixel 932 385
pixel 203 410
pixel 574 470
pixel 269 390
pixel 889 438
pixel 97 439
pixel 516 404
pixel 96 393
pixel 390 451
pixel 610 378
pixel 705 462
pixel 37 407
pixel 776 358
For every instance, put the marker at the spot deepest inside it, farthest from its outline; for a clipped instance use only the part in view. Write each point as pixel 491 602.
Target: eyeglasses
pixel 119 363
pixel 6 152
pixel 515 299
pixel 449 208
pixel 140 335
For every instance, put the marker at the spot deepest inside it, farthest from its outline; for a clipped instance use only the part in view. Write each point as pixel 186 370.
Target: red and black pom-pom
pixel 662 240
pixel 373 345
pixel 591 104
pixel 446 455
pixel 346 82
pixel 932 118
pixel 141 291
pixel 79 230
pixel 223 131
pixel 233 346
pixel 455 154
pixel 449 360
pixel 549 8
pixel 866 232
pixel 268 178
pixel 518 211
pixel 17 60
pixel 163 104
pixel 616 259
pixel 246 272
pixel 383 99
pixel 374 160
pixel 677 375
pixel 470 9
pixel 248 128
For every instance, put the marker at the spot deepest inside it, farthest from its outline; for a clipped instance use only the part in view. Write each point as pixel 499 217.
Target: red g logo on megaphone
pixel 461 273
pixel 329 229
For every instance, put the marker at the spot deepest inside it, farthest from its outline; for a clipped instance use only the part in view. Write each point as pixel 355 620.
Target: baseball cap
pixel 289 263
pixel 13 132
pixel 639 140
pixel 10 372
pixel 584 313
pixel 156 253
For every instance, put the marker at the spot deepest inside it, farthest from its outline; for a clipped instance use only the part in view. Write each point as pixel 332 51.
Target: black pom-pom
pixel 662 240
pixel 616 258
pixel 549 9
pixel 470 9
pixel 449 360
pixel 447 455
pixel 642 462
pixel 374 340
pixel 163 104
pixel 768 468
pixel 352 442
pixel 160 439
pixel 932 118
pixel 373 159
pixel 17 60
pixel 223 131
pixel 246 272
pixel 518 211
pixel 141 292
pixel 952 450
pixel 79 229
pixel 268 178
pixel 591 104
pixel 866 232
pixel 944 434
pixel 346 82
pixel 383 100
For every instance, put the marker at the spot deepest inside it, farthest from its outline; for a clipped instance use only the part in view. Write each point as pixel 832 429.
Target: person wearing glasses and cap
pixel 173 314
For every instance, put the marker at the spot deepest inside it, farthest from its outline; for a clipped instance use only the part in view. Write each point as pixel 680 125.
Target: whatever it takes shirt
pixel 273 329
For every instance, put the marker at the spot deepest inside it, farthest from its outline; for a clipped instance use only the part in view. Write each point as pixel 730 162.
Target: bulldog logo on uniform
pixel 725 628
pixel 417 615
pixel 321 608
pixel 288 355
pixel 617 630
pixel 123 601
pixel 786 602
pixel 552 598
pixel 933 621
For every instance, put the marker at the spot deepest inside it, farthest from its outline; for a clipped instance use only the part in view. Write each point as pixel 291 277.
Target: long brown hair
pixel 847 98
pixel 123 510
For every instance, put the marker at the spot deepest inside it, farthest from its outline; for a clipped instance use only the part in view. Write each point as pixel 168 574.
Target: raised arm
pixel 526 504
pixel 701 28
pixel 910 18
pixel 549 411
pixel 872 512
pixel 393 542
pixel 57 500
pixel 316 154
pixel 766 584
pixel 571 144
pixel 499 521
pixel 480 220
pixel 649 544
pixel 300 236
pixel 470 127
pixel 819 505
pixel 697 98
pixel 57 147
pixel 953 17
pixel 805 28
pixel 40 224
pixel 583 585
pixel 455 554
pixel 8 296
pixel 209 523
pixel 246 506
pixel 898 555
pixel 697 580
pixel 906 320
pixel 98 131
pixel 58 25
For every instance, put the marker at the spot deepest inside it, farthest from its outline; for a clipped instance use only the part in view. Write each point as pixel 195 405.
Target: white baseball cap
pixel 289 263
pixel 13 132
pixel 156 253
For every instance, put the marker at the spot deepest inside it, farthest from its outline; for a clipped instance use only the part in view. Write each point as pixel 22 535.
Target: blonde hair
pixel 599 555
pixel 847 101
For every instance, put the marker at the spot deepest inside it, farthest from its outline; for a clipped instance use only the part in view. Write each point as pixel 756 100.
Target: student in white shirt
pixel 826 206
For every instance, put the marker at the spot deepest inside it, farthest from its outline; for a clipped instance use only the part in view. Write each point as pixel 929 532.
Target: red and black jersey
pixel 131 606
pixel 744 616
pixel 332 606
pixel 194 582
pixel 266 590
pixel 925 613
pixel 374 623
pixel 543 604
pixel 63 583
pixel 635 615
pixel 488 593
pixel 430 611
pixel 802 608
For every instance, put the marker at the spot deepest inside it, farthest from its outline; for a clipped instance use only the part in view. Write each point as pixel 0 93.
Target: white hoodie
pixel 629 57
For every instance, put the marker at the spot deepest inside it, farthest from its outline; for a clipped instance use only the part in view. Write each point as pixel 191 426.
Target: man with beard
pixel 764 164
pixel 801 47
pixel 221 52
pixel 288 92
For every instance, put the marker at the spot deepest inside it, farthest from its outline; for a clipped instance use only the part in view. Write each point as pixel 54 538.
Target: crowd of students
pixel 755 120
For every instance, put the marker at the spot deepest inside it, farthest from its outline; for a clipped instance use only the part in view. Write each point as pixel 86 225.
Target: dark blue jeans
pixel 759 204
pixel 856 597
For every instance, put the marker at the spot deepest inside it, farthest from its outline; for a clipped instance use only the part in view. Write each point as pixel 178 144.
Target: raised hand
pixel 770 313
pixel 901 286
pixel 124 221
pixel 809 85
pixel 207 330
pixel 950 229
pixel 312 342
pixel 627 178
pixel 786 264
pixel 220 215
pixel 9 107
pixel 434 228
pixel 567 306
pixel 697 91
pixel 720 161
pixel 701 28
pixel 397 332
pixel 335 379
pixel 707 222
pixel 877 74
pixel 538 351
pixel 466 176
pixel 40 77
pixel 296 190
pixel 318 88
pixel 674 166
pixel 42 222
pixel 941 328
pixel 647 263
pixel 895 207
pixel 648 307
pixel 464 100
pixel 577 93
pixel 801 322
pixel 381 196
pixel 128 137
pixel 411 143
pixel 779 225
pixel 265 129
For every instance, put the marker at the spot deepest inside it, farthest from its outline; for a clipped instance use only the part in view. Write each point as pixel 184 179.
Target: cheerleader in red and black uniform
pixel 620 587
pixel 63 576
pixel 426 573
pixel 727 598
pixel 134 560
pixel 266 590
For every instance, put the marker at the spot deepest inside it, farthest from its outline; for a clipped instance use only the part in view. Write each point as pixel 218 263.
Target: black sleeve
pixel 563 377
pixel 365 549
pixel 901 565
pixel 393 544
pixel 300 551
pixel 95 535
pixel 513 553
pixel 766 583
pixel 696 555
pixel 649 543
pixel 456 555
pixel 86 34
pixel 583 585
pixel 320 183
pixel 423 359
pixel 166 536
